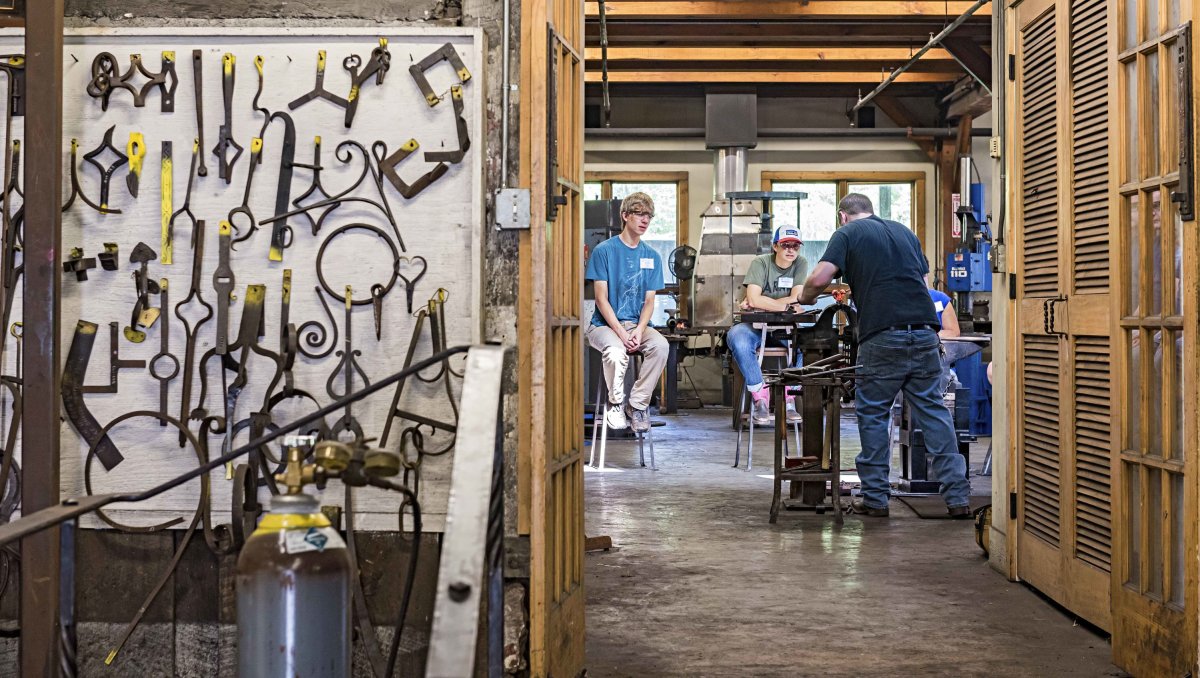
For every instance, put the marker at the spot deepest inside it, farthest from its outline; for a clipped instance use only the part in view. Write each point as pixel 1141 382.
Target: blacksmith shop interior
pixel 599 338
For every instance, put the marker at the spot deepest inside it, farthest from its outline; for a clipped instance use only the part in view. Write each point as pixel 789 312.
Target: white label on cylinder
pixel 312 539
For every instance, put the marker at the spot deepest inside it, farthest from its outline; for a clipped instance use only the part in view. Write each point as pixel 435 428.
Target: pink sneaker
pixel 793 417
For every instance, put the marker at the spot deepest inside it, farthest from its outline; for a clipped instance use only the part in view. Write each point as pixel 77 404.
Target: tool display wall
pixel 278 214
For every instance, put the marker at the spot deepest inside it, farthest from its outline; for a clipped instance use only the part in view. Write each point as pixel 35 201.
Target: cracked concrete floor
pixel 699 583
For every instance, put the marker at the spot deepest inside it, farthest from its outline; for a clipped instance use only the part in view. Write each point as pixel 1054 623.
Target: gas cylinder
pixel 293 595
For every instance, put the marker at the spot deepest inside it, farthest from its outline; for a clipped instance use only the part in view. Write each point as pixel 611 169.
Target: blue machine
pixel 970 268
pixel 968 271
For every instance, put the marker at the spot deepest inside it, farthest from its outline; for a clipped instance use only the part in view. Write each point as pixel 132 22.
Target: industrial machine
pixel 969 267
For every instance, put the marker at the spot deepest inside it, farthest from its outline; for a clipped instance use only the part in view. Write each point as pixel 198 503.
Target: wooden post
pixel 39 650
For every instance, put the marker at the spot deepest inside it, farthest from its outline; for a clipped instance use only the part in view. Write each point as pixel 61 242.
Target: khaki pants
pixel 612 352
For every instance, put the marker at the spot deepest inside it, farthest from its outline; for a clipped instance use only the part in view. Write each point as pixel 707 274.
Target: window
pixel 667 229
pixel 899 196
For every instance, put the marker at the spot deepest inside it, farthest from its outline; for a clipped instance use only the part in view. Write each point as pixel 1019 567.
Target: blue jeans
pixel 906 361
pixel 743 341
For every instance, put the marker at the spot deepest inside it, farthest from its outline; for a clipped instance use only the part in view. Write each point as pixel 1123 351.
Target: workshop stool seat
pixel 600 426
pixel 784 355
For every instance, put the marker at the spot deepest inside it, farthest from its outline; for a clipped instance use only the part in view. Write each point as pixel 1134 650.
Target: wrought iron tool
pixel 319 91
pixel 106 173
pixel 444 53
pixel 190 331
pixel 143 314
pixel 377 66
pixel 244 208
pixel 223 281
pixel 281 233
pixel 198 82
pixel 164 356
pixel 225 142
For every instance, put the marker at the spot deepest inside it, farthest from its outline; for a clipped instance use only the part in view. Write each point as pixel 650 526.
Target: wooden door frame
pixel 1139 604
pixel 537 323
pixel 680 179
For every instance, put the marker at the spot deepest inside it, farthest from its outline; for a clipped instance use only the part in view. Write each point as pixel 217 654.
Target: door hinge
pixel 1012 505
pixel 1012 67
pixel 1012 286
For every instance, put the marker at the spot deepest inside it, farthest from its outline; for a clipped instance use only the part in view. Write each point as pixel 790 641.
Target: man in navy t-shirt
pixel 898 349
pixel 625 273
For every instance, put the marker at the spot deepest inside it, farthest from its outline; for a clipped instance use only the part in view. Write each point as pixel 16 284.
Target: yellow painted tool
pixel 136 150
pixel 168 208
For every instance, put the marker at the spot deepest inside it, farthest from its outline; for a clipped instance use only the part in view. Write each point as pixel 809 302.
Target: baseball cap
pixel 786 234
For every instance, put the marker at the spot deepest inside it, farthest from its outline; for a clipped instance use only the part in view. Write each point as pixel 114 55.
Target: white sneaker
pixel 760 411
pixel 614 417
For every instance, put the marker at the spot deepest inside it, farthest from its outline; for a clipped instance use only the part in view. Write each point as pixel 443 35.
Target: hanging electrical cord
pixel 606 105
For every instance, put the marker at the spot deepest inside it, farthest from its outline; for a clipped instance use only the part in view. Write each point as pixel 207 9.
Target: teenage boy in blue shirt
pixel 625 274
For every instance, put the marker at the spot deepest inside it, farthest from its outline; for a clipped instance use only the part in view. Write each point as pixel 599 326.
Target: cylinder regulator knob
pixel 381 464
pixel 332 456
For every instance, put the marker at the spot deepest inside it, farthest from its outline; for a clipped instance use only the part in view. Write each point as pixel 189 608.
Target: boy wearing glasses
pixel 625 274
pixel 773 283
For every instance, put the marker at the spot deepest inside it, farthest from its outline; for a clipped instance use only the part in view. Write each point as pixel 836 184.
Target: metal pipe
pixel 39 648
pixel 42 521
pixel 785 132
pixel 504 87
pixel 933 42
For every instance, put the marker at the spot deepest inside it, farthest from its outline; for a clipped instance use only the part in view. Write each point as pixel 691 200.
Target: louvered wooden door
pixel 1064 507
pixel 1154 584
pixel 551 341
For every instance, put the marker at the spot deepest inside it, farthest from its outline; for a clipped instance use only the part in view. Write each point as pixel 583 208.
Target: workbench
pixel 829 347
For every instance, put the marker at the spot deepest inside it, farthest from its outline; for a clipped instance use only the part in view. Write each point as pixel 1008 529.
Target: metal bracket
pixel 444 53
pixel 512 209
pixel 1185 196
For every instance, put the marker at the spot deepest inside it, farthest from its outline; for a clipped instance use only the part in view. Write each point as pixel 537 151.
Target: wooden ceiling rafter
pixel 756 53
pixel 766 77
pixel 617 10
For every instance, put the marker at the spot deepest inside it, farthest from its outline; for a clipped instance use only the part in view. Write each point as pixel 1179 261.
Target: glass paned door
pixel 1154 589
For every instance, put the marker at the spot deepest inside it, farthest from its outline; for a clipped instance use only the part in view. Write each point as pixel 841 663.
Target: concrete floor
pixel 699 583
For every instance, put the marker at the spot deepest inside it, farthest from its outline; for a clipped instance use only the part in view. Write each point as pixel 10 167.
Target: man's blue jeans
pixel 743 341
pixel 907 361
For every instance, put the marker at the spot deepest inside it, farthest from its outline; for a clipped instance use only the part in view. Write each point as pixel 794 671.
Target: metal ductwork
pixel 727 243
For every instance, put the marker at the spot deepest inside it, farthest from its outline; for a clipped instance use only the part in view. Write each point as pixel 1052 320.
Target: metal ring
pixel 382 236
pixel 155 361
pixel 91 454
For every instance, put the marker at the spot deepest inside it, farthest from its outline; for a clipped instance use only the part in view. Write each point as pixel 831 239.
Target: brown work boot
pixel 960 512
pixel 857 506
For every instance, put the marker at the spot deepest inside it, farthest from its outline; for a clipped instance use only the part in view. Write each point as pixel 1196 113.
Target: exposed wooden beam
pixel 970 54
pixel 783 32
pixel 900 115
pixel 41 645
pixel 852 77
pixel 772 54
pixel 825 9
pixel 658 90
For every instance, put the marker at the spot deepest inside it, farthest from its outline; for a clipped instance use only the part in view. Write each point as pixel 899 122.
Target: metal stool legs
pixel 600 426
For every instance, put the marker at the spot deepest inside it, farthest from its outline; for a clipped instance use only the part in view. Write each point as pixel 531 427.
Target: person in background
pixel 773 283
pixel 626 273
pixel 898 349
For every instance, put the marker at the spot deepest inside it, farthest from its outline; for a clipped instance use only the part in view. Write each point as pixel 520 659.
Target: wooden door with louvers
pixel 1063 399
pixel 550 481
pixel 1154 585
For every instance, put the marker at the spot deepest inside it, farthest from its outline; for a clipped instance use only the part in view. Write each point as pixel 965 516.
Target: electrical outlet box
pixel 994 147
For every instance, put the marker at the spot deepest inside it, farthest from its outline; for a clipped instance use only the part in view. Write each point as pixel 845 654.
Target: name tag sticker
pixel 785 282
pixel 647 263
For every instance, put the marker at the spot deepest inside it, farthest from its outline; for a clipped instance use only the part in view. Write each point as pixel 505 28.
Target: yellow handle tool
pixel 136 150
pixel 168 188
